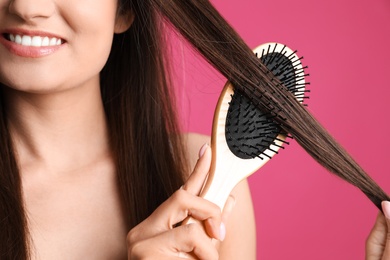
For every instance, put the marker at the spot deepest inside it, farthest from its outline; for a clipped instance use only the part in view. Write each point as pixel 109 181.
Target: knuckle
pixel 132 236
pixel 200 242
pixel 192 230
pixel 179 196
pixel 190 235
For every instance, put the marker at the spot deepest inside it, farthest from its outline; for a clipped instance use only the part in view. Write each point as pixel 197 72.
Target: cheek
pixel 91 53
pixel 93 32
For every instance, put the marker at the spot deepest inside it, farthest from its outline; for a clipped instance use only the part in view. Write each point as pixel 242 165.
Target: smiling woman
pixel 92 158
pixel 93 146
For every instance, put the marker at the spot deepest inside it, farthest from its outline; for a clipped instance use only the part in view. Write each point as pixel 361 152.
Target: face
pixel 53 45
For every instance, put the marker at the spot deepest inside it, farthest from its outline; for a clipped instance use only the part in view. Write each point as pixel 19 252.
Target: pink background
pixel 302 211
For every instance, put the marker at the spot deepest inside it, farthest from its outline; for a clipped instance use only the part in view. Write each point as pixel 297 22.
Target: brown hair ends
pixel 225 50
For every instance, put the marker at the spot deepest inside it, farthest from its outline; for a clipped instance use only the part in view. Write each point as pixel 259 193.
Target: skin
pixel 240 241
pixel 57 122
pixel 378 242
pixel 157 228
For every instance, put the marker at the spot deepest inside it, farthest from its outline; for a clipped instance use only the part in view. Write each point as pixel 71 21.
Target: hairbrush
pixel 245 138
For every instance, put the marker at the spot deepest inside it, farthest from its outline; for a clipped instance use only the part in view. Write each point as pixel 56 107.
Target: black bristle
pixel 249 131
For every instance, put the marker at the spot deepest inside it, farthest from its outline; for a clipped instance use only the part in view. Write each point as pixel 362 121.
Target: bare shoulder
pixel 193 142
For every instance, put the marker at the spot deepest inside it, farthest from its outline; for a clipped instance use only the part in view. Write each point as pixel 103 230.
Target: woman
pixel 90 142
pixel 64 119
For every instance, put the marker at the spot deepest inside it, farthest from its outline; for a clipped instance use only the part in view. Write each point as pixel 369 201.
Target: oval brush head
pixel 251 132
pixel 244 138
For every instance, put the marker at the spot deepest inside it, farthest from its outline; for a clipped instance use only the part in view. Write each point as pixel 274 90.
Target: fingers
pixel 376 241
pixel 386 212
pixel 183 204
pixel 176 243
pixel 228 208
pixel 196 180
pixel 194 240
pixel 159 237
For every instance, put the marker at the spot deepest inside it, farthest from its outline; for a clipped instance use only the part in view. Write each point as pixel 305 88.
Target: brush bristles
pixel 250 132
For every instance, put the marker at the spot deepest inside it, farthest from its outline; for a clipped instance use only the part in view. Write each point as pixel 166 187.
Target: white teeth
pixel 26 40
pixel 53 41
pixel 35 41
pixel 45 41
pixel 18 39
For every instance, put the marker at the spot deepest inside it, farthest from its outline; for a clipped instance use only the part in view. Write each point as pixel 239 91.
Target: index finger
pixel 195 182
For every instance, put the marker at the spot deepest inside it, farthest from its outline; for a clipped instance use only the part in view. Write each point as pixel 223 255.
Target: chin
pixel 31 87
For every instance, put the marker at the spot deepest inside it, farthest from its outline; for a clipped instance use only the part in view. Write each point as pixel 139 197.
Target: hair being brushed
pixel 213 37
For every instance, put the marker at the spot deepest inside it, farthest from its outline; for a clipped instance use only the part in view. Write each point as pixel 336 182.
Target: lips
pixel 31 44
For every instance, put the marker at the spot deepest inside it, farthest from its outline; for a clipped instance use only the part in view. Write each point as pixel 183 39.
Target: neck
pixel 65 130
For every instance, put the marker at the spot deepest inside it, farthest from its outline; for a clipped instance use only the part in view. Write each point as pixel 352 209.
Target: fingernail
pixel 203 150
pixel 386 208
pixel 222 231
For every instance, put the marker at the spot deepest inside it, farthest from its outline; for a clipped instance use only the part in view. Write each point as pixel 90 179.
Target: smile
pixel 31 44
pixel 33 41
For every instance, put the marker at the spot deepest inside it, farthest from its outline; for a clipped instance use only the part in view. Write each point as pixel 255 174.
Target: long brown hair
pixel 147 149
pixel 135 89
pixel 211 35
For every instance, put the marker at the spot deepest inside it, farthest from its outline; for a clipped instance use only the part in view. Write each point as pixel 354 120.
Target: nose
pixel 30 10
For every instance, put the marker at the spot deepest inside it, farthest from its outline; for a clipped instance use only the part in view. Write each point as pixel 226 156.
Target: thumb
pixel 386 212
pixel 227 210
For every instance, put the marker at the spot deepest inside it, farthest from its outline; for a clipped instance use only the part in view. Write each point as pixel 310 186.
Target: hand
pixel 378 242
pixel 157 237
